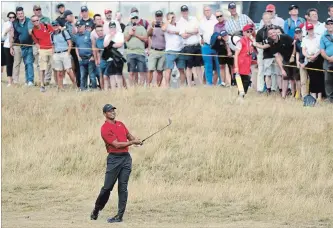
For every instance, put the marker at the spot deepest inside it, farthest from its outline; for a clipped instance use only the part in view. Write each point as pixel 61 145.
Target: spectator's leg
pixel 92 75
pixel 17 63
pixel 208 64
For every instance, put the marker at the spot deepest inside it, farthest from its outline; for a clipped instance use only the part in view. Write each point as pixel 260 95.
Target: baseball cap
pixel 60 5
pixel 184 8
pixel 112 24
pixel 309 26
pixel 80 23
pixel 134 14
pixel 232 5
pixel 298 29
pixel 67 12
pixel 54 23
pixel 108 108
pixel 329 20
pixel 270 7
pixel 107 11
pixel 291 7
pixel 88 24
pixel 247 27
pixel 134 9
pixel 36 7
pixel 158 13
pixel 84 8
pixel 223 33
pixel 19 8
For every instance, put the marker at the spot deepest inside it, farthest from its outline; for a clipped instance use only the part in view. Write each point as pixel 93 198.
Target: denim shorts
pixel 171 58
pixel 136 63
pixel 102 67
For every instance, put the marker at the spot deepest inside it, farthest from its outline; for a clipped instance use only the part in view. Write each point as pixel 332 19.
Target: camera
pixel 158 25
pixel 134 23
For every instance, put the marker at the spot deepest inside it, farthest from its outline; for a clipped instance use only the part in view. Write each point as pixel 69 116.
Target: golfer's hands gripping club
pixel 137 142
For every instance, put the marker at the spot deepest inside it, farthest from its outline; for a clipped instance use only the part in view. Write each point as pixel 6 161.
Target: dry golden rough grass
pixel 262 163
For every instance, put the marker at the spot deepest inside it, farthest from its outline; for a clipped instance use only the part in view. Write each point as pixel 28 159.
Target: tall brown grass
pixel 263 162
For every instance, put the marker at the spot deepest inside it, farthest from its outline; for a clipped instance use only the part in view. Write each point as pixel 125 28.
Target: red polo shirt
pixel 111 132
pixel 42 36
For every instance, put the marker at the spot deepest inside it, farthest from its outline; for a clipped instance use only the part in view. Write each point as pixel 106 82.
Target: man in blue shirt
pixel 293 22
pixel 21 33
pixel 326 48
pixel 85 56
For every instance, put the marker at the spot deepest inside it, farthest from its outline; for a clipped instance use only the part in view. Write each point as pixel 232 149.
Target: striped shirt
pixel 234 25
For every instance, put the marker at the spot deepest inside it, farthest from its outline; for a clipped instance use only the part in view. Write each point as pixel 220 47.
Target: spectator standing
pixel 108 19
pixel 62 45
pixel 135 38
pixel 41 35
pixel 319 28
pixel 243 56
pixel 173 44
pixel 85 17
pixel 206 29
pixel 293 21
pixel 278 21
pixel 71 28
pixel 114 69
pixel 220 26
pixel 140 21
pixel 326 48
pixel 38 12
pixel 311 51
pixel 7 32
pixel 300 61
pixel 61 18
pixel 156 59
pixel 189 31
pixel 100 62
pixel 21 35
pixel 236 22
pixel 85 56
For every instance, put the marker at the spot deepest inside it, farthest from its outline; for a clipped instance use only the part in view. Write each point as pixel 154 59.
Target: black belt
pixel 119 153
pixel 157 49
pixel 85 57
pixel 192 45
pixel 57 52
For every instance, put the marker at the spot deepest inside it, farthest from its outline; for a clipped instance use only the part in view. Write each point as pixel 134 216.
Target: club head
pixel 170 121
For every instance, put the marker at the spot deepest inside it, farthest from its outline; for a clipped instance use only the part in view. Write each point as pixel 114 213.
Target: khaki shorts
pixel 156 61
pixel 44 58
pixel 62 61
pixel 271 68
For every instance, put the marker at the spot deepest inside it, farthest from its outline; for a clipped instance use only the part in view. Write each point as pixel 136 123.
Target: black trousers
pixel 317 78
pixel 77 67
pixel 9 62
pixel 329 80
pixel 246 82
pixel 118 167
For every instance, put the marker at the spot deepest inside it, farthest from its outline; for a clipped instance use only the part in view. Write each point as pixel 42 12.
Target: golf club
pixel 157 131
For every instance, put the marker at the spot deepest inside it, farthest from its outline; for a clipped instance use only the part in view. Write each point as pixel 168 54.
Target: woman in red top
pixel 243 56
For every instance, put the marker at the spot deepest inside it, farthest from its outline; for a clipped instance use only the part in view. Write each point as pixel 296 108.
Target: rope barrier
pixel 178 53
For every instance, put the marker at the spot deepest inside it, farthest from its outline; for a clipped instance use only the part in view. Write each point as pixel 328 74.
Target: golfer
pixel 119 163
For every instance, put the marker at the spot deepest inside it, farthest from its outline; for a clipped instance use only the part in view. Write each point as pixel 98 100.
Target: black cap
pixel 329 20
pixel 84 8
pixel 60 5
pixel 134 9
pixel 158 13
pixel 55 23
pixel 88 24
pixel 184 8
pixel 223 33
pixel 112 24
pixel 67 12
pixel 108 108
pixel 232 5
pixel 298 29
pixel 80 23
pixel 19 8
pixel 291 7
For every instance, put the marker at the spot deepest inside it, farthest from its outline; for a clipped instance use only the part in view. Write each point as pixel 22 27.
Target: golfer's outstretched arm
pixel 130 137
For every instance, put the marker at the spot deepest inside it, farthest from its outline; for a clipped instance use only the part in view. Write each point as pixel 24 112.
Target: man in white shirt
pixel 108 19
pixel 206 30
pixel 173 44
pixel 189 31
pixel 275 19
pixel 319 28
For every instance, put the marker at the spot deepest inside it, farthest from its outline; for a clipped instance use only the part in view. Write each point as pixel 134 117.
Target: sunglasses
pixel 11 17
pixel 219 16
pixel 38 9
pixel 269 11
pixel 135 18
pixel 249 31
pixel 35 21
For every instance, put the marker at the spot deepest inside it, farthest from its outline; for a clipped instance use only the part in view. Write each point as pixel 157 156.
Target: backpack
pixel 63 34
pixel 289 21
